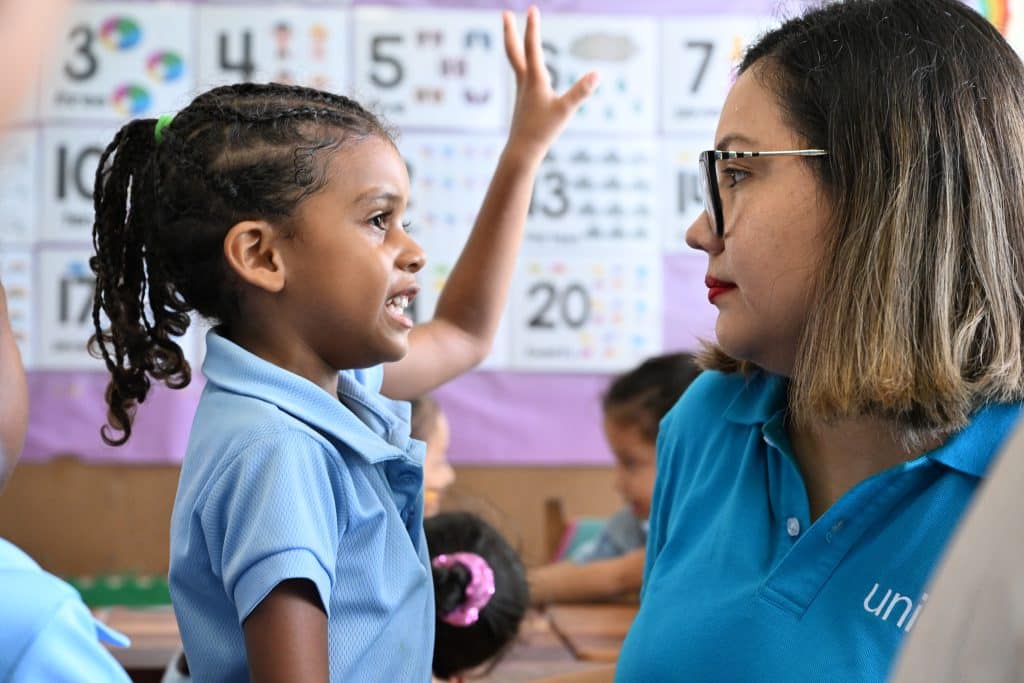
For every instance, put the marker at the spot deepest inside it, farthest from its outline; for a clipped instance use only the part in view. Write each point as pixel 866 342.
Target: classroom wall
pixel 75 518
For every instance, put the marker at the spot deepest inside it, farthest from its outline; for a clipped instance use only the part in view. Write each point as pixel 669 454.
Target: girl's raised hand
pixel 540 113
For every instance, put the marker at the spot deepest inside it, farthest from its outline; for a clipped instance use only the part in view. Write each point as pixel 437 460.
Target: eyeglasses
pixel 709 178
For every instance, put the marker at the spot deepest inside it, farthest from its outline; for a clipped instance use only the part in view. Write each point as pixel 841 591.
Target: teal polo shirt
pixel 282 481
pixel 740 585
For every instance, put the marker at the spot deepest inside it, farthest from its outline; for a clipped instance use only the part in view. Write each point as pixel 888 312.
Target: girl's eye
pixel 380 221
pixel 734 175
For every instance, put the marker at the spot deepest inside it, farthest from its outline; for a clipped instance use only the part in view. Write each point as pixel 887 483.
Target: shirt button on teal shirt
pixel 741 586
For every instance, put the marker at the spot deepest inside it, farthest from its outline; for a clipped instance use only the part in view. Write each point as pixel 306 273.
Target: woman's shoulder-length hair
pixel 918 315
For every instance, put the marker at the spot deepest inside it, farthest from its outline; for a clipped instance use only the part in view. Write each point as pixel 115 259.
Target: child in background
pixel 613 563
pixel 46 631
pixel 430 425
pixel 480 590
pixel 297 549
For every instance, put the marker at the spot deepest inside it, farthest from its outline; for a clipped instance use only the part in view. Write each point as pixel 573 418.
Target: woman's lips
pixel 717 287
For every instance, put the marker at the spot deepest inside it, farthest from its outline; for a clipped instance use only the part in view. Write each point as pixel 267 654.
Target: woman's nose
pixel 700 235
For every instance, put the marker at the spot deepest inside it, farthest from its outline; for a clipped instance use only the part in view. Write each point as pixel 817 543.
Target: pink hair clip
pixel 478 592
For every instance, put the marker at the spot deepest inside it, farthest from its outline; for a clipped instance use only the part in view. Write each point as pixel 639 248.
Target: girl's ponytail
pixel 138 343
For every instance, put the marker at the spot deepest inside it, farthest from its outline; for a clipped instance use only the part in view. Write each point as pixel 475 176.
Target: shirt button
pixel 793 526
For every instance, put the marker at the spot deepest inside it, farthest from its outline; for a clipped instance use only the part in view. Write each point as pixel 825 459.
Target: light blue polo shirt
pixel 46 631
pixel 741 586
pixel 283 481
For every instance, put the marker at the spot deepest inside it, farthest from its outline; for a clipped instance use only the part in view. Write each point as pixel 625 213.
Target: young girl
pixel 429 424
pixel 297 547
pixel 864 233
pixel 613 564
pixel 480 591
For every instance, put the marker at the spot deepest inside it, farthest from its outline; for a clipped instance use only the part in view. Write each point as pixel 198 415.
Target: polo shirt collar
pixel 762 396
pixel 357 417
pixel 971 450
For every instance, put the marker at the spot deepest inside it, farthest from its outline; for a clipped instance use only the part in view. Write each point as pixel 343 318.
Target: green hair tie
pixel 161 123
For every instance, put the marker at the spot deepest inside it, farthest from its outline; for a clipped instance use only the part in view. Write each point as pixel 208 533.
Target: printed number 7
pixel 708 47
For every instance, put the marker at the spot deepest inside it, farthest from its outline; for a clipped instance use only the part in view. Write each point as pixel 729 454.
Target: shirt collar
pixel 971 450
pixel 357 417
pixel 761 396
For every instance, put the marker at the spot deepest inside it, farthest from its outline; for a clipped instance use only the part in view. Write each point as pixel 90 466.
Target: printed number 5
pixel 397 72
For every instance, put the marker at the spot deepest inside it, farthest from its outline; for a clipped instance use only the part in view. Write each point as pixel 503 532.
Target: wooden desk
pixel 592 632
pixel 154 635
pixel 538 653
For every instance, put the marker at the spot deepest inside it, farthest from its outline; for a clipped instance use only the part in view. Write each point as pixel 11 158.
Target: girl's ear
pixel 251 249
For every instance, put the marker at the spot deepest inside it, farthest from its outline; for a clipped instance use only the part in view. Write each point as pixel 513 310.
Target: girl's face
pixel 350 266
pixel 775 215
pixel 438 474
pixel 634 469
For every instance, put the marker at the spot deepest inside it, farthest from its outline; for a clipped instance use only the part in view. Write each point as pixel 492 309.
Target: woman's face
pixel 761 272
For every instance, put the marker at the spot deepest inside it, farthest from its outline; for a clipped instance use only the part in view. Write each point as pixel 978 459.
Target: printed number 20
pixel 570 306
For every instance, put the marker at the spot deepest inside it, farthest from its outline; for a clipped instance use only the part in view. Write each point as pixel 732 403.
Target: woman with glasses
pixel 864 229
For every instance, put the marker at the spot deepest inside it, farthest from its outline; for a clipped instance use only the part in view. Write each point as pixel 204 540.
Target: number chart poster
pixel 604 279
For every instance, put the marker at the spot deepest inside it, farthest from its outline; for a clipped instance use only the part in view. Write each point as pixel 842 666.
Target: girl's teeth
pixel 398 303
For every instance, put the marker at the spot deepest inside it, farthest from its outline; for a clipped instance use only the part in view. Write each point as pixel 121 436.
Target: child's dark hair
pixel 644 394
pixel 163 208
pixel 460 648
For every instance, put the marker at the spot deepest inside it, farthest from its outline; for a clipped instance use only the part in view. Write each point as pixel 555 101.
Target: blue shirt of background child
pixel 283 481
pixel 739 585
pixel 46 631
pixel 624 532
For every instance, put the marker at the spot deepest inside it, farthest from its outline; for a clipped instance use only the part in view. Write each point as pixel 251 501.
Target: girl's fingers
pixel 512 47
pixel 534 53
pixel 580 90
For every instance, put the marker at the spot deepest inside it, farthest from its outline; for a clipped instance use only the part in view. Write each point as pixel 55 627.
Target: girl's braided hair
pixel 238 152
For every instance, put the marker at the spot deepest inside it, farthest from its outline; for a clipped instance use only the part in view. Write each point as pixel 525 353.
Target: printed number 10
pixel 86 159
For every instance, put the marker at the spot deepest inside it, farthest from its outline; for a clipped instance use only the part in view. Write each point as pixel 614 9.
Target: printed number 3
pixel 88 65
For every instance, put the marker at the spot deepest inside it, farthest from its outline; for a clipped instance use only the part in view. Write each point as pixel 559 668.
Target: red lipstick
pixel 717 287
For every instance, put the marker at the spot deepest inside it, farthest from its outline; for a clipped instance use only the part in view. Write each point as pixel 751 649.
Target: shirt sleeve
pixel 275 514
pixel 67 650
pixel 620 535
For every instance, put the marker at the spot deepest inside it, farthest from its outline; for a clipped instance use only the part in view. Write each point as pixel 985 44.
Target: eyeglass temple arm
pixel 719 155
